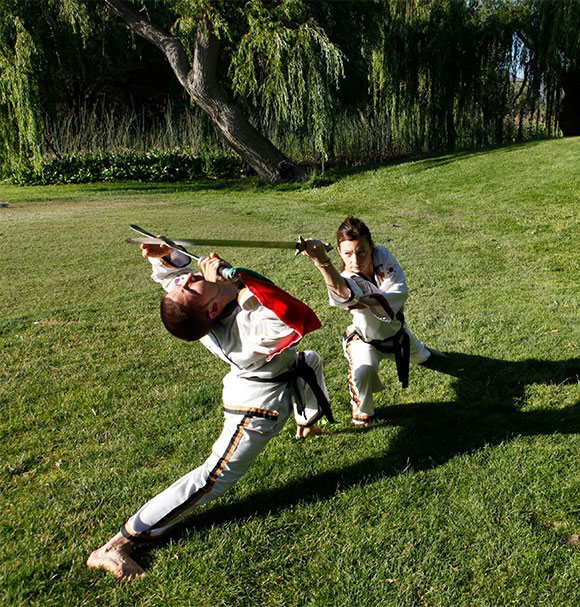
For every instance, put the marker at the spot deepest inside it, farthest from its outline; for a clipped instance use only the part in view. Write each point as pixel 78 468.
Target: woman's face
pixel 356 255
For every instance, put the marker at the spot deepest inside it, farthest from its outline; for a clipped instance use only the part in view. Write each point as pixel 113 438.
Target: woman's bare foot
pixel 303 432
pixel 436 361
pixel 114 558
pixel 359 423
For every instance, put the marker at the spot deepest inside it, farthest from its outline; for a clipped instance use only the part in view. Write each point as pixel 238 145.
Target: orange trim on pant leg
pixel 355 398
pixel 247 410
pixel 212 477
pixel 128 532
pixel 218 469
pixel 357 416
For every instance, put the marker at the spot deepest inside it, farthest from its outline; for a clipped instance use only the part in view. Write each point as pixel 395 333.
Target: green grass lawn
pixel 466 491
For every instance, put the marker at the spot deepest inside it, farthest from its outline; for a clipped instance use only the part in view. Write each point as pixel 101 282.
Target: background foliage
pixel 328 82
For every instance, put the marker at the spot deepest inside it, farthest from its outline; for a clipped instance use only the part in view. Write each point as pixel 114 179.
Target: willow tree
pixel 48 51
pixel 243 63
pixel 279 60
pixel 549 34
pixel 442 71
pixel 20 108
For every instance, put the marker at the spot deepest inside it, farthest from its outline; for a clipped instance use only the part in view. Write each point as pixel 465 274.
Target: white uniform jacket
pixel 375 305
pixel 244 339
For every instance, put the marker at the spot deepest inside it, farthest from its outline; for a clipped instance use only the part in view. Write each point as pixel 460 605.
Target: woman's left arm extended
pixel 315 250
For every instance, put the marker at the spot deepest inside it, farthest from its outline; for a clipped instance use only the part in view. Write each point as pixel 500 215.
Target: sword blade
pixel 215 242
pixel 253 244
pixel 296 246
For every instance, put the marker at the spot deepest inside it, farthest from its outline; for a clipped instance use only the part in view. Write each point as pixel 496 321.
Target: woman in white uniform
pixel 372 287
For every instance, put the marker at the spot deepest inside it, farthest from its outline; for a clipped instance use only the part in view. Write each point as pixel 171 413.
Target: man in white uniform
pixel 267 380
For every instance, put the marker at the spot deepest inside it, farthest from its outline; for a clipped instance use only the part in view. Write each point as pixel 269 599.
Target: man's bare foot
pixel 114 557
pixel 303 432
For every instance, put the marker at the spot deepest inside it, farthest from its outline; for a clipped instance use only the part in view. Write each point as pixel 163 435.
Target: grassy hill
pixel 466 491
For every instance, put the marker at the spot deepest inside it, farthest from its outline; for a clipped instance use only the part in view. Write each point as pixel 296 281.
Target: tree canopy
pixel 440 73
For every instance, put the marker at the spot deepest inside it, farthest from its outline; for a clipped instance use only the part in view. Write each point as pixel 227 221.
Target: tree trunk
pixel 569 114
pixel 450 124
pixel 200 81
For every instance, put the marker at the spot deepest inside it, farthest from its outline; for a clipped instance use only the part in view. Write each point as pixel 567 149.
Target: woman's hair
pixel 353 229
pixel 189 323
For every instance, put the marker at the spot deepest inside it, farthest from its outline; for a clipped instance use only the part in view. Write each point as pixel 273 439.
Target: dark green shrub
pixel 134 166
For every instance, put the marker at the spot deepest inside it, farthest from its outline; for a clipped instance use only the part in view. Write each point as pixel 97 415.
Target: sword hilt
pixel 301 246
pixel 224 271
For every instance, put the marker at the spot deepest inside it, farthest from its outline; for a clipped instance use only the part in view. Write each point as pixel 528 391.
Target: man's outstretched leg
pixel 243 437
pixel 114 557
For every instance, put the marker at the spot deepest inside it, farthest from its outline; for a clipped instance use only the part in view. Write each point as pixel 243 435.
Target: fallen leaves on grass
pixel 573 541
pixel 48 322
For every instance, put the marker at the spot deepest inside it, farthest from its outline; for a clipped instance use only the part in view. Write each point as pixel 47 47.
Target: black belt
pixel 399 345
pixel 303 370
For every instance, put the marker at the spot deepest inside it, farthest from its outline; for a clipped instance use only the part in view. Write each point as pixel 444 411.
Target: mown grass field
pixel 466 491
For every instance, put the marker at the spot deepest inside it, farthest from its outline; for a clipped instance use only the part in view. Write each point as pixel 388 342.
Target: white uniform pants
pixel 363 378
pixel 245 433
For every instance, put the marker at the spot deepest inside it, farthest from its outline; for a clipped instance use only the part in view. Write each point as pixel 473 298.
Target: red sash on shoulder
pixel 291 311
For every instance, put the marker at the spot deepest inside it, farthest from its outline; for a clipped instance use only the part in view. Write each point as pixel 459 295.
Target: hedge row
pixel 146 166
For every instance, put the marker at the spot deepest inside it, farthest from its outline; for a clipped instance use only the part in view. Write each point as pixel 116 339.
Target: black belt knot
pixel 399 345
pixel 303 370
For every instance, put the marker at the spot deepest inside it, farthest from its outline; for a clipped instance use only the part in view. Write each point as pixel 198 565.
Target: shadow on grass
pixel 489 393
pixel 317 179
pixel 489 396
pixel 431 162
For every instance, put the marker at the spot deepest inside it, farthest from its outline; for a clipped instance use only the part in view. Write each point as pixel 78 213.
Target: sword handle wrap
pixel 226 272
pixel 301 246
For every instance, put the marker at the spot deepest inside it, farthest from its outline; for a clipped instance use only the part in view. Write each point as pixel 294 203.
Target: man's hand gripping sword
pixel 224 271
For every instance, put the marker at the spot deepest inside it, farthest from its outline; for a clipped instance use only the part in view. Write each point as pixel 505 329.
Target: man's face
pixel 194 290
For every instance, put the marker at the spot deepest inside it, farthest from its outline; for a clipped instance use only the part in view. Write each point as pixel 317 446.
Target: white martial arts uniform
pixel 376 309
pixel 255 409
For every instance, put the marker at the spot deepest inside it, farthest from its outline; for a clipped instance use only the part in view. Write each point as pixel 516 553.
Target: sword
pixel 297 246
